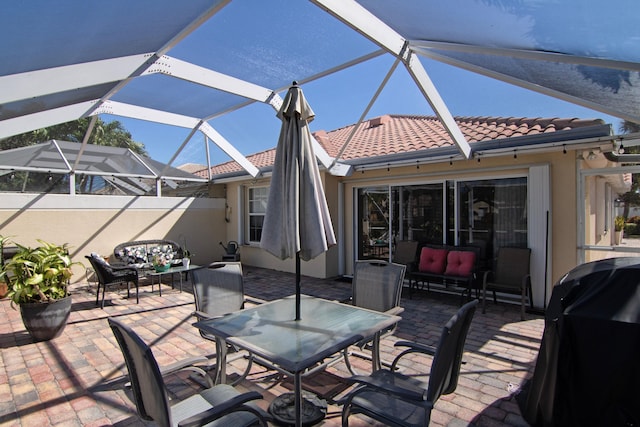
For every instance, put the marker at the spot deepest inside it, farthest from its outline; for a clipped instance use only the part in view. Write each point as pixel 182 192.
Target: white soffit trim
pixel 206 77
pixel 361 20
pixel 32 84
pixel 225 146
pixel 43 119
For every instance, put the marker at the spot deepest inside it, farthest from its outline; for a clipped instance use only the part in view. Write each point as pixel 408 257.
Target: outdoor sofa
pixel 142 252
pixel 446 267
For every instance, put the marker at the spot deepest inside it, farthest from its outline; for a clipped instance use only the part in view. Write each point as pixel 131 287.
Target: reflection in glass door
pixel 487 213
pixel 493 213
pixel 373 223
pixel 418 213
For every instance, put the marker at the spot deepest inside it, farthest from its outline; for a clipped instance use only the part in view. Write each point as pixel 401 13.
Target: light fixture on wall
pixel 564 149
pixel 621 148
pixel 515 154
pixel 592 155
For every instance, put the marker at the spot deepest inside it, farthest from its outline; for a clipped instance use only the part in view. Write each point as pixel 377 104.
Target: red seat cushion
pixel 433 260
pixel 460 263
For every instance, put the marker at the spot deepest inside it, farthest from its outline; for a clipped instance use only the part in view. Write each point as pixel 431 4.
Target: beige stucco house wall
pixel 562 190
pixel 325 265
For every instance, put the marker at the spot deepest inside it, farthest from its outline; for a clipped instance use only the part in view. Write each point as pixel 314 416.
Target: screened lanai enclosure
pixel 211 70
pixel 187 65
pixel 63 167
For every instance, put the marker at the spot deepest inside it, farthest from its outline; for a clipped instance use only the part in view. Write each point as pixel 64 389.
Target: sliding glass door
pixel 489 213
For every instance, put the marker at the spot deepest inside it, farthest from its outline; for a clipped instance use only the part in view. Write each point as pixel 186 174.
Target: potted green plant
pixel 4 287
pixel 186 254
pixel 38 283
pixel 618 224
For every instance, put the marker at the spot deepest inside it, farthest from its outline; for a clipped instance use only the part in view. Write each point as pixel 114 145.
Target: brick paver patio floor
pixel 78 378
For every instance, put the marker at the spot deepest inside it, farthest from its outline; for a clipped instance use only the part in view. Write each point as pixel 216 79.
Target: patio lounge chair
pixel 112 275
pixel 395 399
pixel 218 289
pixel 220 405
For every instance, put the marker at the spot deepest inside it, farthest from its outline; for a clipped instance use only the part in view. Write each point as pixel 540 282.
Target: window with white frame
pixel 257 210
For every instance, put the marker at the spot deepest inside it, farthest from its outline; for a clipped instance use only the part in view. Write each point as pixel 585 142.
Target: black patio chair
pixel 405 252
pixel 218 289
pixel 395 399
pixel 221 405
pixel 108 274
pixel 377 285
pixel 510 274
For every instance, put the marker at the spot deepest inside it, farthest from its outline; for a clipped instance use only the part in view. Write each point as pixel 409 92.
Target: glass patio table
pixel 270 332
pixel 151 273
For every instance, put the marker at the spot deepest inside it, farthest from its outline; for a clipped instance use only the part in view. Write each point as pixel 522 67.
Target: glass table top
pixel 270 331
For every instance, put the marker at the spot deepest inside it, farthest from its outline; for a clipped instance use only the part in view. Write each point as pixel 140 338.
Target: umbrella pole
pixel 298 285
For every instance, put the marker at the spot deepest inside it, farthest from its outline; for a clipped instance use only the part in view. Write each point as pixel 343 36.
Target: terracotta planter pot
pixel 4 289
pixel 45 321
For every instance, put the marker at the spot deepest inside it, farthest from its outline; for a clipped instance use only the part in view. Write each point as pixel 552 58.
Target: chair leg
pixel 484 298
pixel 104 291
pixel 137 295
pixel 522 303
pixel 98 294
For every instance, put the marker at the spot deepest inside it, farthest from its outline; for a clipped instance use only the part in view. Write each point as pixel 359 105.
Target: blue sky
pixel 340 99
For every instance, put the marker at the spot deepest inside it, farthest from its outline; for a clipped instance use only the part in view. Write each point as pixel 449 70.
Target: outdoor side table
pixel 173 270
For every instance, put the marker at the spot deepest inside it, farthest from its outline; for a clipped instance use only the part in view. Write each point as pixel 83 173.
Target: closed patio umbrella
pixel 297 222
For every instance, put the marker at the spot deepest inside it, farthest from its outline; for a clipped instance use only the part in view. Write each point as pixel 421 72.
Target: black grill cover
pixel 588 368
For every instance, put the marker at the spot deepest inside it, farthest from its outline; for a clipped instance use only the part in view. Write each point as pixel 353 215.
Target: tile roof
pixel 392 134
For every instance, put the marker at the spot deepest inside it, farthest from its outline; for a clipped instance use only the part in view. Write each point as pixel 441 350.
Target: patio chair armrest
pixel 412 347
pixel 486 276
pixel 395 311
pixel 417 347
pixel 254 300
pixel 412 266
pixel 201 315
pixel 123 268
pixel 233 404
pixel 381 382
pixel 181 364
